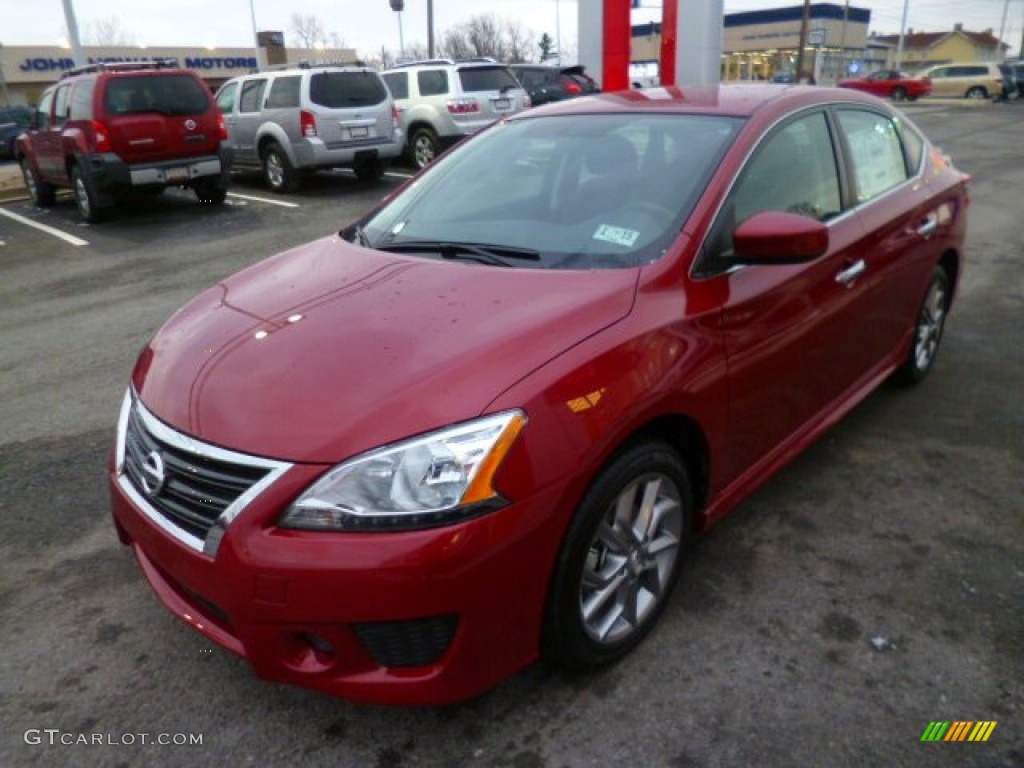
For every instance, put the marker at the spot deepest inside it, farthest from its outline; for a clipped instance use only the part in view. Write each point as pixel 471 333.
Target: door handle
pixel 928 226
pixel 847 276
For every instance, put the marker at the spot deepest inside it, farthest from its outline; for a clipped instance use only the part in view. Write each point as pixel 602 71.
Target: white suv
pixel 290 121
pixel 440 101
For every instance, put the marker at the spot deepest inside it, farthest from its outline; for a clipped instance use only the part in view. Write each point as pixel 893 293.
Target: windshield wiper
pixel 482 252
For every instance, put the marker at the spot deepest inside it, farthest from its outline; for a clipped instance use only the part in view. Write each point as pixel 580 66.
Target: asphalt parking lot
pixel 874 586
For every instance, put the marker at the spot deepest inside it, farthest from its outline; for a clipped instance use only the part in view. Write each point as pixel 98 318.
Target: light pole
pixel 255 34
pixel 903 28
pixel 430 29
pixel 76 44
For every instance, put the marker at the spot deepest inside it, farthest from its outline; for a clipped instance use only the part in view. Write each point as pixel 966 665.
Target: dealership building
pixel 25 71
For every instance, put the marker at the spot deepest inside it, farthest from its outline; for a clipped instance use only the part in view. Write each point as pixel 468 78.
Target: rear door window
pixel 486 79
pixel 877 159
pixel 338 90
pixel 60 109
pixel 252 96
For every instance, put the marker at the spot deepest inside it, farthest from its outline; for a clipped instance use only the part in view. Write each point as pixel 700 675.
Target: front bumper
pixel 422 617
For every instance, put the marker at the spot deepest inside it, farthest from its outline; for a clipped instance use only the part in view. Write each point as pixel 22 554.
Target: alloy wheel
pixel 629 566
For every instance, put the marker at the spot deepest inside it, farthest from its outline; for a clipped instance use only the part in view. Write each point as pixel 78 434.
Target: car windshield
pixel 486 79
pixel 164 94
pixel 591 191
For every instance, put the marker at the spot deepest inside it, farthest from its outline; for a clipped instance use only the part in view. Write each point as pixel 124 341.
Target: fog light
pixel 319 644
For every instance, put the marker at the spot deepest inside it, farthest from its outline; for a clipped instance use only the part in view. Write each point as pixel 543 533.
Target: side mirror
pixel 776 237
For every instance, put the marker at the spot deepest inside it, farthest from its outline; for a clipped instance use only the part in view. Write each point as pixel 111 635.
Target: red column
pixel 617 40
pixel 669 27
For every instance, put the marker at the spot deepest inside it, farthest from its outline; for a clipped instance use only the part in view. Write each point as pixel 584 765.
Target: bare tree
pixel 487 35
pixel 107 32
pixel 518 42
pixel 309 31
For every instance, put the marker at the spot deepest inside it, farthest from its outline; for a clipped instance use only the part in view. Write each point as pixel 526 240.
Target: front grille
pixel 411 643
pixel 196 489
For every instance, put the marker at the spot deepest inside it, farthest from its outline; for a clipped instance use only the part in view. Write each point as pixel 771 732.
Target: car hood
pixel 330 349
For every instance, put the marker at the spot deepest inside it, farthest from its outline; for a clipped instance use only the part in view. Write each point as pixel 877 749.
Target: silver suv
pixel 291 121
pixel 440 101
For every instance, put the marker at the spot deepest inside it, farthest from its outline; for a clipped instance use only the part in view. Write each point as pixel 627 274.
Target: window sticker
pixel 617 235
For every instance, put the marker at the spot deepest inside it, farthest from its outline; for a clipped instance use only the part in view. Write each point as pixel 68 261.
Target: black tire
pixel 211 191
pixel 86 198
pixel 928 328
pixel 611 581
pixel 44 195
pixel 369 169
pixel 976 92
pixel 424 147
pixel 278 171
pixel 899 94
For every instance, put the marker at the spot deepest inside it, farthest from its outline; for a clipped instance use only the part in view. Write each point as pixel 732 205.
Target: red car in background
pixel 479 425
pixel 891 84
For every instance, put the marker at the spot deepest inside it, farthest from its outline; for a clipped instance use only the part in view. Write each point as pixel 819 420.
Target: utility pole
pixel 903 29
pixel 842 41
pixel 803 40
pixel 1000 49
pixel 430 29
pixel 255 35
pixel 76 44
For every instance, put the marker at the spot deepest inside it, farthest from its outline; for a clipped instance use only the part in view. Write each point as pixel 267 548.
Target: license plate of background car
pixel 176 174
pixel 502 105
pixel 359 133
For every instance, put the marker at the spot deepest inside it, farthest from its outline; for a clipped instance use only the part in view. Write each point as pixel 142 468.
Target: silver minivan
pixel 288 122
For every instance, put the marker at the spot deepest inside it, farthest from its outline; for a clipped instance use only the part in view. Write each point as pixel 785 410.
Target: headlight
pixel 435 479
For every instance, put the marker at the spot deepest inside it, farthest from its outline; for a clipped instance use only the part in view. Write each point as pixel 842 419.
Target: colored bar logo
pixel 958 730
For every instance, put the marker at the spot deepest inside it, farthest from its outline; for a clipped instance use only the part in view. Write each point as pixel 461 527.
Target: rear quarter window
pixel 486 79
pixel 81 100
pixel 337 90
pixel 284 92
pixel 398 84
pixel 432 82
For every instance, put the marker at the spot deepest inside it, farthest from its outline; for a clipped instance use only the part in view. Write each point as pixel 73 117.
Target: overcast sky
pixel 366 25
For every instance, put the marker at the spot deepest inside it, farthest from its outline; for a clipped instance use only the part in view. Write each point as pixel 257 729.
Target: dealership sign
pixel 45 64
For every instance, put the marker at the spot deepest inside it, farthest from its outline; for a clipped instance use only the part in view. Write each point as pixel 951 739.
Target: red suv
pixel 108 130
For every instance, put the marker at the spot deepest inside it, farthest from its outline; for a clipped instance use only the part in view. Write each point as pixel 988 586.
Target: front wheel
pixel 278 171
pixel 931 321
pixel 620 558
pixel 977 92
pixel 44 195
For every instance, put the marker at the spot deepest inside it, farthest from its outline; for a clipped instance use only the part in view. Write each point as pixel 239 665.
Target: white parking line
pixel 43 228
pixel 266 200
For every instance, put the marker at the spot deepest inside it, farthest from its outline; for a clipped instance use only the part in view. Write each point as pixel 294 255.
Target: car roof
pixel 734 100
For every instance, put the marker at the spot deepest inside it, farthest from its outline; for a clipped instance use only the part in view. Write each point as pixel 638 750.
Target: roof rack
pixel 426 62
pixel 307 64
pixel 121 66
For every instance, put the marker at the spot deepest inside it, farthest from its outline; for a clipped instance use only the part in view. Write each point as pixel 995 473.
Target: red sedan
pixel 891 84
pixel 480 425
